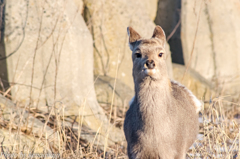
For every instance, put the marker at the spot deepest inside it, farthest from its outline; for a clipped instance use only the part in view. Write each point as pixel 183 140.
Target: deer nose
pixel 150 64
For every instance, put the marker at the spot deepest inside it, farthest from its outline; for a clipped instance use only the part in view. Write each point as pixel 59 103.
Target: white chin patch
pixel 150 72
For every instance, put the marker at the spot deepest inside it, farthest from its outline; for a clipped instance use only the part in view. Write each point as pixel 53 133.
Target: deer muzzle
pixel 149 67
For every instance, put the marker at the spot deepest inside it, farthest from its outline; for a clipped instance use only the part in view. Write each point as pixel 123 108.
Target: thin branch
pixel 1 84
pixel 23 37
pixel 104 44
pixel 49 61
pixel 1 19
pixel 102 63
pixel 2 147
pixel 174 30
pixel 33 65
pixel 111 108
pixel 94 45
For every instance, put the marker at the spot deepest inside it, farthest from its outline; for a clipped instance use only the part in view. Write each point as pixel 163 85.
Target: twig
pixel 1 18
pixel 102 63
pixel 174 30
pixel 110 113
pixel 23 37
pixel 82 110
pixel 34 56
pixel 60 52
pixel 90 26
pixel 1 84
pixel 33 65
pixel 104 44
pixel 49 61
pixel 97 51
pixel 22 84
pixel 2 147
pixel 124 45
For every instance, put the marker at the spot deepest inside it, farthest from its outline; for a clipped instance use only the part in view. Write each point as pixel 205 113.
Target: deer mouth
pixel 150 72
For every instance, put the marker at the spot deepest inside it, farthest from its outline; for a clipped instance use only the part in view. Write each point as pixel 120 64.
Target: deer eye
pixel 160 54
pixel 138 55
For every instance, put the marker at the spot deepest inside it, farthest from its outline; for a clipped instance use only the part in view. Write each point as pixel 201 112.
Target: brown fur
pixel 162 121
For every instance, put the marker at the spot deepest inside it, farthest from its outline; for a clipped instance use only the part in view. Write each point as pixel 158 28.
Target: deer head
pixel 148 55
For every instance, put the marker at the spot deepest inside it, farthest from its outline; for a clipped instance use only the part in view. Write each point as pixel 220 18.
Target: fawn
pixel 162 121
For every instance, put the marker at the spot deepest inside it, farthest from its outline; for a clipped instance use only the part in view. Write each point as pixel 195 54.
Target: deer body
pixel 162 121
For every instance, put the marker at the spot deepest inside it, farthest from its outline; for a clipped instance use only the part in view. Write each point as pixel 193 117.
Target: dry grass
pixel 218 134
pixel 219 131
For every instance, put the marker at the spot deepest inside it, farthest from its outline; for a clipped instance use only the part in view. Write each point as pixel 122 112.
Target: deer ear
pixel 159 33
pixel 133 37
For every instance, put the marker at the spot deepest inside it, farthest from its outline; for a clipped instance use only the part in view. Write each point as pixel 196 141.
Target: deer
pixel 162 120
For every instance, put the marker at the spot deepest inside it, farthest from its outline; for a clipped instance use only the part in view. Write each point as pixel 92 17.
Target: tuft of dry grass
pixel 219 131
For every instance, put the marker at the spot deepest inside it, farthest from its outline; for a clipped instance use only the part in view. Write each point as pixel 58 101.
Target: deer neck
pixel 153 95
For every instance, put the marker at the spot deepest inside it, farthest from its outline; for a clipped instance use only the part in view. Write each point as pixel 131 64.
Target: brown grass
pixel 218 134
pixel 219 131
